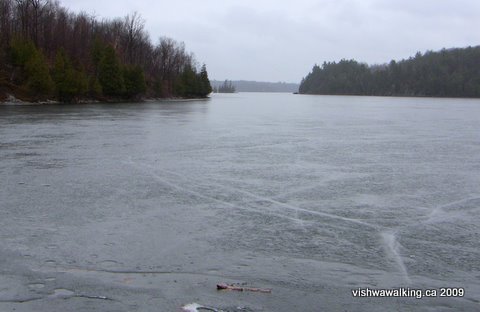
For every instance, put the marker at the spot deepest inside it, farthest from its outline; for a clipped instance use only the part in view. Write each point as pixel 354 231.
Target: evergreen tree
pixel 187 85
pixel 32 69
pixel 70 83
pixel 110 74
pixel 134 81
pixel 21 51
pixel 94 87
pixel 39 82
pixel 206 87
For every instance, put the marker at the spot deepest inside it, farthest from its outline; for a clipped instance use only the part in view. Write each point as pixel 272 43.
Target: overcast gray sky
pixel 280 40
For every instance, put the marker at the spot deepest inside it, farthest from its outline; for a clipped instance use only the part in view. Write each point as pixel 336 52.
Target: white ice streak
pixel 436 214
pixel 299 209
pixel 211 198
pixel 278 203
pixel 389 237
pixel 194 307
pixel 392 248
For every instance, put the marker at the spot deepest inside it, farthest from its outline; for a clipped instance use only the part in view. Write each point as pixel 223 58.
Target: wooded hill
pixel 446 73
pixel 47 52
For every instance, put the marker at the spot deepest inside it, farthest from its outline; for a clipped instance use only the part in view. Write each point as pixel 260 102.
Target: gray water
pixel 147 206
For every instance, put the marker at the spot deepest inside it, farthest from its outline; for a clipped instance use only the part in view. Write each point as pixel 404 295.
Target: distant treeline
pixel 47 52
pixel 258 86
pixel 447 73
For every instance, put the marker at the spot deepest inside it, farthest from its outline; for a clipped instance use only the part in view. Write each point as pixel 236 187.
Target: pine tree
pixel 186 85
pixel 38 80
pixel 21 51
pixel 206 87
pixel 110 74
pixel 69 82
pixel 134 81
pixel 94 87
pixel 32 70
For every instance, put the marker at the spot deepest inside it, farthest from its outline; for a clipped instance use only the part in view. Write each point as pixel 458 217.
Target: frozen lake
pixel 146 207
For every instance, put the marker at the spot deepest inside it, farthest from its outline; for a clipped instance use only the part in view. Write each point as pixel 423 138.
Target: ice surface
pixel 151 205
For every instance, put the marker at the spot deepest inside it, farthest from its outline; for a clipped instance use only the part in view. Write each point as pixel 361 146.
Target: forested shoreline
pixel 445 73
pixel 50 53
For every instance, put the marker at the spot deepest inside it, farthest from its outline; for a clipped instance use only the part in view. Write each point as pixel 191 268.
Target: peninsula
pixel 445 73
pixel 50 53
